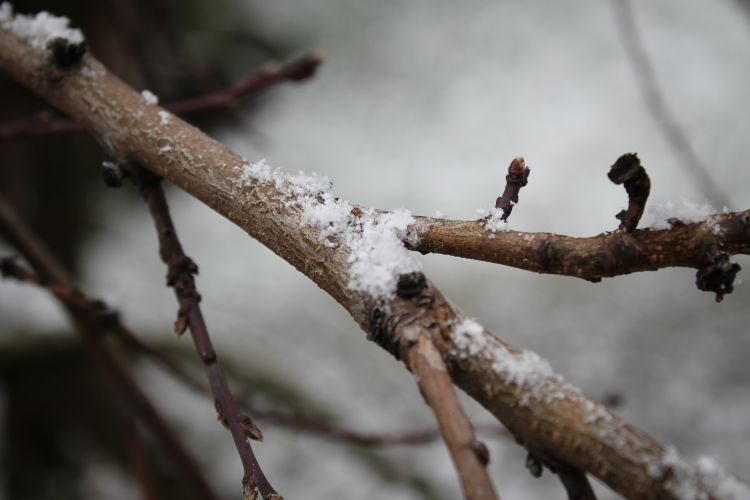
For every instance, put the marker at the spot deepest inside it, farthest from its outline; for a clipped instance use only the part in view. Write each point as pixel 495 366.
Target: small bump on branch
pixel 518 177
pixel 717 274
pixel 628 170
pixel 64 53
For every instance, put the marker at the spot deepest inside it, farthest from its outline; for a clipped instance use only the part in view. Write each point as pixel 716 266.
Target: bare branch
pixel 180 271
pixel 89 328
pixel 470 456
pixel 549 417
pixel 43 125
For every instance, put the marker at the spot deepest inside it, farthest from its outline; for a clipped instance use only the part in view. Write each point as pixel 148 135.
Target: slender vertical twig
pixel 180 271
pixel 658 107
pixel 50 272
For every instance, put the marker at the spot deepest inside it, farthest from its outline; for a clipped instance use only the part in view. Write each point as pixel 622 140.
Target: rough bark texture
pixel 554 420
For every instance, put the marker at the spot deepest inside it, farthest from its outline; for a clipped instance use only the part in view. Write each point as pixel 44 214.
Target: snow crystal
pixel 439 214
pixel 150 97
pixel 523 368
pixel 707 479
pixel 39 29
pixel 377 256
pixel 164 117
pixel 686 211
pixel 493 221
pixel 165 149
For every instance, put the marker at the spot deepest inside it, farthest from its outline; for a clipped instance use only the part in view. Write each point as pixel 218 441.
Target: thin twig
pixel 43 125
pixel 51 273
pixel 470 456
pixel 180 271
pixel 628 170
pixel 576 485
pixel 518 175
pixel 658 107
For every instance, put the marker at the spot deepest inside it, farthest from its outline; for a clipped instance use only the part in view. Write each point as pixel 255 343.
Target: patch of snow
pixel 494 221
pixel 659 215
pixel 707 479
pixel 164 117
pixel 39 29
pixel 439 214
pixel 522 368
pixel 375 240
pixel 149 97
pixel 165 149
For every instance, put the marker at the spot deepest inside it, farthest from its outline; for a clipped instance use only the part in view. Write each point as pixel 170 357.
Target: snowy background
pixel 422 104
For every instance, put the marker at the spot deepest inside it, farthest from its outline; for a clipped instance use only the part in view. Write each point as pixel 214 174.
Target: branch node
pixel 112 174
pixel 628 170
pixel 65 54
pixel 410 285
pixel 481 451
pixel 534 466
pixel 717 274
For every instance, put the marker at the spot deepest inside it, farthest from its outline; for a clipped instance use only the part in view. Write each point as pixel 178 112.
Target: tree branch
pixel 180 271
pixel 89 327
pixel 43 125
pixel 546 415
pixel 470 456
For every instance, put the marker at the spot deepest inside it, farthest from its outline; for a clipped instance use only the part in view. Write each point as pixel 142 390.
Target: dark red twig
pixel 628 170
pixel 51 274
pixel 180 271
pixel 576 485
pixel 43 125
pixel 658 107
pixel 518 175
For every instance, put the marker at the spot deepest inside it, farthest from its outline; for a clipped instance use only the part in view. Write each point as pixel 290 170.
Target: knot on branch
pixel 717 274
pixel 64 53
pixel 387 322
pixel 628 170
pixel 112 174
pixel 518 177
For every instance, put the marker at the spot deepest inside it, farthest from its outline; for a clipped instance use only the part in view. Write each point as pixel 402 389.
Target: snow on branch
pixel 303 222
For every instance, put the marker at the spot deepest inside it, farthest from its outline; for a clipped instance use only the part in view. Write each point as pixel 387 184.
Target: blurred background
pixel 419 104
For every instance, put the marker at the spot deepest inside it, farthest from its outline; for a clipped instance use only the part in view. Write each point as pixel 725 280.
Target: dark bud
pixel 628 170
pixel 481 451
pixel 625 168
pixel 410 285
pixel 717 276
pixel 65 54
pixel 251 430
pixel 112 174
pixel 534 466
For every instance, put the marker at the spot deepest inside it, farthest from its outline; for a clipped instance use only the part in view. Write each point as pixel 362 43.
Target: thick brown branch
pixel 43 125
pixel 48 271
pixel 180 270
pixel 602 256
pixel 552 419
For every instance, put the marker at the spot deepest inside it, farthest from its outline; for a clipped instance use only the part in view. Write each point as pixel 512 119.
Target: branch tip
pixel 518 175
pixel 628 170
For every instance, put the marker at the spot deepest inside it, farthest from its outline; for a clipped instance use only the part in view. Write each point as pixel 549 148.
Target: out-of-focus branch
pixel 552 419
pixel 180 271
pixel 658 107
pixel 43 125
pixel 48 272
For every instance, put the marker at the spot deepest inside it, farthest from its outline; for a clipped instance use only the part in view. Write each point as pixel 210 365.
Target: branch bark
pixel 546 415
